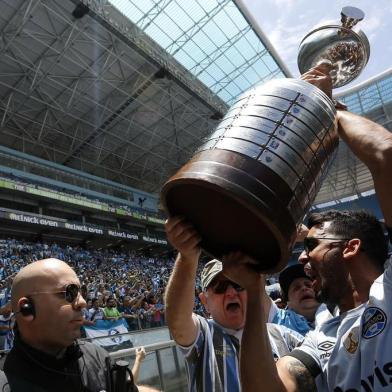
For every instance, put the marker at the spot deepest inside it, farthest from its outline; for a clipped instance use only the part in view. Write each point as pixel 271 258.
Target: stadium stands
pixel 102 273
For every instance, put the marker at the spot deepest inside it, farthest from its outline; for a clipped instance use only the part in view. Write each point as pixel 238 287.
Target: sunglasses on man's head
pixel 311 243
pixel 71 292
pixel 221 286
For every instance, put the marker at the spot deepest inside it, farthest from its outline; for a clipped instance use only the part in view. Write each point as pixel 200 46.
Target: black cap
pixel 288 275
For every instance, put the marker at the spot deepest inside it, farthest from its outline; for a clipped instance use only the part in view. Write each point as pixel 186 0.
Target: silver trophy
pixel 252 181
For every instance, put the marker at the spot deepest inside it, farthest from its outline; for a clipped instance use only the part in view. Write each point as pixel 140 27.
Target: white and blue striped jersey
pixel 212 361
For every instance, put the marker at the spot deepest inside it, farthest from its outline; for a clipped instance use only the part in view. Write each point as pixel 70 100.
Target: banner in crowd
pixel 109 331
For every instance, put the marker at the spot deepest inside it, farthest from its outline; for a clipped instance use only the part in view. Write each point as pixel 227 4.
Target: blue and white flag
pixel 109 332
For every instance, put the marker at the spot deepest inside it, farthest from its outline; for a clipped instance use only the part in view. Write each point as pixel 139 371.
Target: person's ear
pixel 204 299
pixel 352 248
pixel 26 308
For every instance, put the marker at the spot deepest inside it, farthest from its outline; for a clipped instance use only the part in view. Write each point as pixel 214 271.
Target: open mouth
pixel 306 297
pixel 232 306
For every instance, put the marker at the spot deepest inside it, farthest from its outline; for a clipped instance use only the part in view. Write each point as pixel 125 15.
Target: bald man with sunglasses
pixel 46 299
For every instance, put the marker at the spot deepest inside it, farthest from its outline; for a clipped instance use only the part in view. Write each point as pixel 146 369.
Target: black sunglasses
pixel 311 242
pixel 71 292
pixel 221 286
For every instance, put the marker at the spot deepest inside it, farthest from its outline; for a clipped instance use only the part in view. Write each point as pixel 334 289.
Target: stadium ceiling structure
pixel 87 88
pixel 348 177
pixel 126 89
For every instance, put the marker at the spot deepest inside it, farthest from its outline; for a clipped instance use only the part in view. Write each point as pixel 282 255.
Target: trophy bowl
pixel 347 49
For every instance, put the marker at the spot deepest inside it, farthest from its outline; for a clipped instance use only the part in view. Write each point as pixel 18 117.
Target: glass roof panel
pixel 255 42
pixel 212 39
pixel 245 45
pixel 164 23
pixel 251 75
pixel 261 69
pixel 205 6
pixel 236 17
pixel 233 89
pixel 179 14
pixel 164 39
pixel 243 81
pixel 194 50
pixel 225 64
pixel 235 56
pixel 216 72
pixel 385 88
pixel 226 23
pixel 184 58
pixel 370 97
pixel 206 78
pixel 213 33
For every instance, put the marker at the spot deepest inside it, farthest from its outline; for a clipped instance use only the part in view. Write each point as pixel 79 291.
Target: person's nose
pixel 79 302
pixel 231 291
pixel 303 258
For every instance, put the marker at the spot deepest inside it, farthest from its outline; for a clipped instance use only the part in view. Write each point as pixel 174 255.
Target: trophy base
pixel 236 204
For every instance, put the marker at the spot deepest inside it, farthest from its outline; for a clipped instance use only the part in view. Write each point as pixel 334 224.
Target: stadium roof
pixel 128 90
pixel 96 93
pixel 348 176
pixel 211 39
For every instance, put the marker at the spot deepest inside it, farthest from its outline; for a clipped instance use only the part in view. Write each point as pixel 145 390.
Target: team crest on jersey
pixel 351 342
pixel 373 322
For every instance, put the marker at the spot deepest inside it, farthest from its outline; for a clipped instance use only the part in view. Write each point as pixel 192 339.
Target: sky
pixel 286 22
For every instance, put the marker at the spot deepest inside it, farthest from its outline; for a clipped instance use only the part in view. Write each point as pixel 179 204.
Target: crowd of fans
pixel 115 284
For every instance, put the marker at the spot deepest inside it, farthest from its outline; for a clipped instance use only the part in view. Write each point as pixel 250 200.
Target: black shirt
pixel 83 368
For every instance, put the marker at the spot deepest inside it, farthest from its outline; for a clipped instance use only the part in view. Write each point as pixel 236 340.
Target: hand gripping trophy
pixel 252 181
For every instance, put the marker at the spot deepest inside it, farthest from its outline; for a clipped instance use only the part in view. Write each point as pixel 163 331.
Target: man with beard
pixel 346 252
pixel 210 347
pixel 303 312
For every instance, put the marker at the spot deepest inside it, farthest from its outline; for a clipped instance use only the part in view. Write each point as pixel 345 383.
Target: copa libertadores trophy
pixel 252 181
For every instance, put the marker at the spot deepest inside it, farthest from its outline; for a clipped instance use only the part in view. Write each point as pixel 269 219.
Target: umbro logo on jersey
pixel 326 346
pixel 373 322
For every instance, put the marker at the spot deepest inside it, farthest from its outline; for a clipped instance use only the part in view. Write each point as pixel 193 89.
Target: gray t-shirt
pixel 353 352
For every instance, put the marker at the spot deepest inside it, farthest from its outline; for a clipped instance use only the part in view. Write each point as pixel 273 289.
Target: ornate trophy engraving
pixel 251 182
